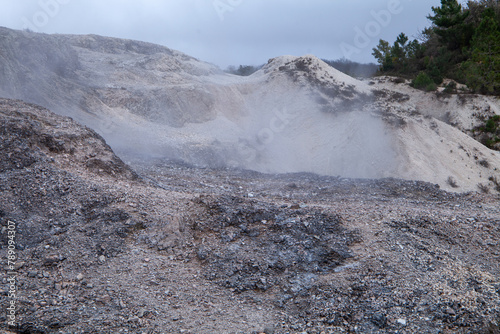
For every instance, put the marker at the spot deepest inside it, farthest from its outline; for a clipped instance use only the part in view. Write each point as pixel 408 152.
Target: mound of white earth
pixel 296 114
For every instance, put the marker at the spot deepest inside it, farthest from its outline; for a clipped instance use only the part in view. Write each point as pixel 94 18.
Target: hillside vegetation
pixel 462 43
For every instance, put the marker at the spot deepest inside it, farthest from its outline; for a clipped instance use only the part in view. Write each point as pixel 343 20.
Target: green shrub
pixel 434 73
pixel 431 87
pixel 489 132
pixel 451 87
pixel 421 81
pixel 491 125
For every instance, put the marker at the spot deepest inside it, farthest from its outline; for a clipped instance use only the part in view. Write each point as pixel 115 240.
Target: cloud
pixel 246 32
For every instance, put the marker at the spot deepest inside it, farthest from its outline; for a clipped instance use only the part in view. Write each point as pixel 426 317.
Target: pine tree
pixel 383 55
pixel 450 26
pixel 462 44
pixel 483 69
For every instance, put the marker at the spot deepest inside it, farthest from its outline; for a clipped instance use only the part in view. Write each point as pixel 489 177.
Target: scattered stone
pixel 122 304
pixel 401 322
pixel 104 300
pixel 379 320
pixel 52 260
pixel 142 312
pixel 19 265
pixel 133 319
pixel 450 311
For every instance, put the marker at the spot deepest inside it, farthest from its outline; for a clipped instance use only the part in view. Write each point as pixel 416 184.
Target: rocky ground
pixel 162 247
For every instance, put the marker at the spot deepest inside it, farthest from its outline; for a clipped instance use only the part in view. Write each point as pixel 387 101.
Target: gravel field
pixel 164 247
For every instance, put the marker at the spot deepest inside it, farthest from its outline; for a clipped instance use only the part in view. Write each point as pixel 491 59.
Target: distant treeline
pixel 463 44
pixel 346 66
pixel 243 70
pixel 353 68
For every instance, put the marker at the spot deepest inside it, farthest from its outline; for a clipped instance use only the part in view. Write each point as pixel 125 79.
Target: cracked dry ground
pixel 176 249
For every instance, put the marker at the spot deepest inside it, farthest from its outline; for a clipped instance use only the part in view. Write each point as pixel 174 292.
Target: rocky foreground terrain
pixel 163 247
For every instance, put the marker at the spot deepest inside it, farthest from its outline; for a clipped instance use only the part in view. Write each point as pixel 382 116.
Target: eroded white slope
pixel 431 150
pixel 272 122
pixel 297 114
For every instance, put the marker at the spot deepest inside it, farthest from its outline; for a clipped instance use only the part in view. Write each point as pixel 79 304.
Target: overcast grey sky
pixel 226 32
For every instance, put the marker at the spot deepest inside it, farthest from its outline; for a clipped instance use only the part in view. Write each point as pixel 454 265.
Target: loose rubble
pixel 163 247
